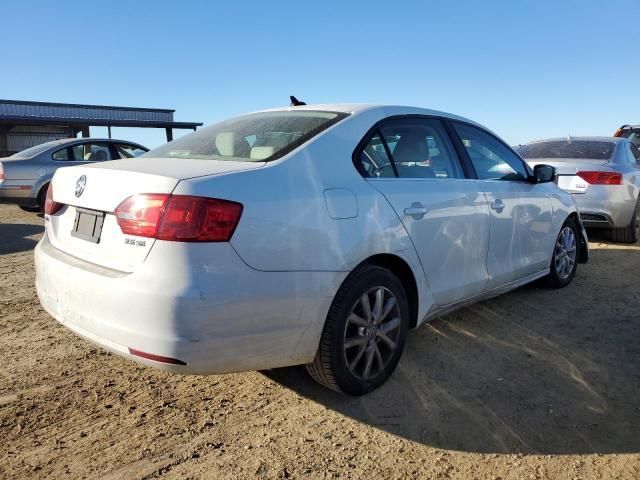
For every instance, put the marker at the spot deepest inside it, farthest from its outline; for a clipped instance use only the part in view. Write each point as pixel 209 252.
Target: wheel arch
pixel 401 269
pixel 42 192
pixel 583 253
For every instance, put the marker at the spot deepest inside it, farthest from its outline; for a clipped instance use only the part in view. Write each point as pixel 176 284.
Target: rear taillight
pixel 1 171
pixel 180 218
pixel 139 215
pixel 601 178
pixel 51 206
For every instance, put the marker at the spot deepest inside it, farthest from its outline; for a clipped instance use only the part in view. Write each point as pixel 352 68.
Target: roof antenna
pixel 295 102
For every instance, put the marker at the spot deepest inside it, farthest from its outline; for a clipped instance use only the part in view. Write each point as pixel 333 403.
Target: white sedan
pixel 314 235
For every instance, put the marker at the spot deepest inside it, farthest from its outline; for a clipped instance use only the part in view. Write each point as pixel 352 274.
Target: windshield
pixel 568 149
pixel 256 137
pixel 33 151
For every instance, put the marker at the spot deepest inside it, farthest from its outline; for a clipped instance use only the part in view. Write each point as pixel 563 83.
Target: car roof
pixel 62 141
pixel 358 108
pixel 593 138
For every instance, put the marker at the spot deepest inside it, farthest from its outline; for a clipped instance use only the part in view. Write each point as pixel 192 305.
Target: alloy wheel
pixel 371 333
pixel 565 253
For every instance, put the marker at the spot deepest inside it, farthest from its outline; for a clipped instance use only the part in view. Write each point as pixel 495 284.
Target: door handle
pixel 497 205
pixel 416 210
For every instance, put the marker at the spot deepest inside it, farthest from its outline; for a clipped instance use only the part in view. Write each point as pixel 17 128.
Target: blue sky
pixel 526 70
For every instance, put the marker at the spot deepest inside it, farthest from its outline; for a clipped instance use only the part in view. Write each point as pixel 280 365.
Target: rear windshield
pixel 33 151
pixel 256 137
pixel 568 149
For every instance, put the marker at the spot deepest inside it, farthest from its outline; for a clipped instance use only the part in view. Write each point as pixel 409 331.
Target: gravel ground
pixel 534 384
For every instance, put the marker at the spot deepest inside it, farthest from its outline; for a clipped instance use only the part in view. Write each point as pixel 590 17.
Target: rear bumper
pixel 606 206
pixel 214 316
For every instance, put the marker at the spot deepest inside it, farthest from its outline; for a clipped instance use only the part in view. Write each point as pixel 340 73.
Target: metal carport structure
pixel 24 124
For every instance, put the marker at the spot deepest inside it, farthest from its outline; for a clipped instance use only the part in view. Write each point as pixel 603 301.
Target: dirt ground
pixel 536 384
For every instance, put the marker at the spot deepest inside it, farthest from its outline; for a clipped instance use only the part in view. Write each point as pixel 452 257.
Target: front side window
pixel 256 137
pixel 419 148
pixel 92 152
pixel 491 159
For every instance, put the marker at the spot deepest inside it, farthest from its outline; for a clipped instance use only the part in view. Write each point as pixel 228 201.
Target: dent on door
pixel 448 222
pixel 521 236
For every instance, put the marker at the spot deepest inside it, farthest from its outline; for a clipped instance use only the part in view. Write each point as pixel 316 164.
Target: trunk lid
pixel 566 170
pixel 104 186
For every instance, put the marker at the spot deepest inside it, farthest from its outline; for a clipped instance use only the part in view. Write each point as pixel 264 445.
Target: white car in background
pixel 313 235
pixel 602 174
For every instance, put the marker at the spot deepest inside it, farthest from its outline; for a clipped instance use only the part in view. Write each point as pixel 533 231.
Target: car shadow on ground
pixel 15 237
pixel 534 371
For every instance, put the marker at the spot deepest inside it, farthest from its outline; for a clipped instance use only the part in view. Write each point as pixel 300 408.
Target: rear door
pixel 521 239
pixel 412 162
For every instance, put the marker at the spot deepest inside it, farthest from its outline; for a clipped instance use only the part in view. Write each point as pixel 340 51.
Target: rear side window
pixel 256 137
pixel 491 159
pixel 373 161
pixel 568 149
pixel 91 152
pixel 419 148
pixel 129 151
pixel 61 155
pixel 631 134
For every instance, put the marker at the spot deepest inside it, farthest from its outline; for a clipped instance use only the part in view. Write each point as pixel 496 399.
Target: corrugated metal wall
pixel 23 137
pixel 79 112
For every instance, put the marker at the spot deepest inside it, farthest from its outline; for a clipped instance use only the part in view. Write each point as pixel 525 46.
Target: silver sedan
pixel 25 176
pixel 602 173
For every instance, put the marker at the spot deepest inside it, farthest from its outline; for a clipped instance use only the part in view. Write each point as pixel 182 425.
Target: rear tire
pixel 29 209
pixel 631 232
pixel 566 252
pixel 364 334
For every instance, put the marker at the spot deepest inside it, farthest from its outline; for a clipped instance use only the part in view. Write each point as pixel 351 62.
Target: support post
pixel 85 132
pixel 109 130
pixel 169 134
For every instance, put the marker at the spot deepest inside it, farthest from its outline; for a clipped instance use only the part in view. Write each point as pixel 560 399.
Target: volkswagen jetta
pixel 314 235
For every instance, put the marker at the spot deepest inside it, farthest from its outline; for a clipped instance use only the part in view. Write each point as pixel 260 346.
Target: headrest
pixel 260 153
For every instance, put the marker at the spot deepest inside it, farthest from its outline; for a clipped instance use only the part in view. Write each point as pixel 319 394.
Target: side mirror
pixel 544 173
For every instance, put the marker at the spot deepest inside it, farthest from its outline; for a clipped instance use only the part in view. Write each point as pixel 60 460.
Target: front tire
pixel 630 233
pixel 364 334
pixel 564 262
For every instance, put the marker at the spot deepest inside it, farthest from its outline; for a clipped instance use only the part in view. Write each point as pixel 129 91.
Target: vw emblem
pixel 80 184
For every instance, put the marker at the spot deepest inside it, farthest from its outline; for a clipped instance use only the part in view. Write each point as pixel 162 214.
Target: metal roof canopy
pixel 81 117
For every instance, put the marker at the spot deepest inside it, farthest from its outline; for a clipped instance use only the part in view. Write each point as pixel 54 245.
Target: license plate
pixel 88 224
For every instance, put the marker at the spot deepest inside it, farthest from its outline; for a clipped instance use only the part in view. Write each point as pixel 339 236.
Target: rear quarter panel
pixel 286 224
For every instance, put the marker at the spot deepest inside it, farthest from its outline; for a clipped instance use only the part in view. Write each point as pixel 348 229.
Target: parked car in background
pixel 630 132
pixel 313 235
pixel 25 176
pixel 602 174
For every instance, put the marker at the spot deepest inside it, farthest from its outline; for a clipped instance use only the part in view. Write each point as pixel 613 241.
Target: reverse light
pixel 601 178
pixel 179 218
pixel 51 206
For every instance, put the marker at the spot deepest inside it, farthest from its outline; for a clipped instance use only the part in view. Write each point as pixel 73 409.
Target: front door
pixel 412 162
pixel 521 240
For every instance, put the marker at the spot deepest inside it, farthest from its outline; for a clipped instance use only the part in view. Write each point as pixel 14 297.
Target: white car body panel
pixel 309 218
pixel 453 233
